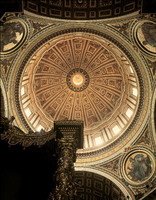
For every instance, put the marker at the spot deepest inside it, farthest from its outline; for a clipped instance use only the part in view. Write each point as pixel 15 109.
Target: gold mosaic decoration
pixel 138 166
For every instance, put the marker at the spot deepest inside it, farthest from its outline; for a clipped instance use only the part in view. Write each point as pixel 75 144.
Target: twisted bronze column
pixel 69 137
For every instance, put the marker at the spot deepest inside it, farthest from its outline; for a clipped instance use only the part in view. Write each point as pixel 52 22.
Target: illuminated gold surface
pixel 77 79
pixel 57 75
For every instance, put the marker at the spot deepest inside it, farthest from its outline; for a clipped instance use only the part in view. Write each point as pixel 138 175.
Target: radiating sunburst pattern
pixel 80 77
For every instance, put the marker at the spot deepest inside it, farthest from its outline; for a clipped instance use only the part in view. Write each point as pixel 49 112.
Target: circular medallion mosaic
pixel 138 166
pixel 13 34
pixel 145 36
pixel 80 76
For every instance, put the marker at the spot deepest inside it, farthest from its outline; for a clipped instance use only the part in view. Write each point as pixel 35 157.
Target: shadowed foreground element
pixel 68 138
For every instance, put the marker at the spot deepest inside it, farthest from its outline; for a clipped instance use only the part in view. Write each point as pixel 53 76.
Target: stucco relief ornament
pixel 138 166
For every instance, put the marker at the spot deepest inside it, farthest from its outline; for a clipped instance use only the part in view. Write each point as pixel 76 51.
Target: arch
pixel 126 191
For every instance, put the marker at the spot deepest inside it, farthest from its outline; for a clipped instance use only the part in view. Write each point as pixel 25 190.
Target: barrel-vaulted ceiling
pixel 82 9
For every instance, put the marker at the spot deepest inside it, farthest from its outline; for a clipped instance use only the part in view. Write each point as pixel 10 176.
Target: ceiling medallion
pixel 77 80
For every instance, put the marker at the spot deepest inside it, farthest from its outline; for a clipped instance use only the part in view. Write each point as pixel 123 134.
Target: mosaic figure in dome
pixel 149 32
pixel 11 34
pixel 139 167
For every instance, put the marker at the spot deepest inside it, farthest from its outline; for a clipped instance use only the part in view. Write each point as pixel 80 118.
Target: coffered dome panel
pixel 80 76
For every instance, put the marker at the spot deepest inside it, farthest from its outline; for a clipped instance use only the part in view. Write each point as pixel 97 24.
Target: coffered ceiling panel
pixel 80 76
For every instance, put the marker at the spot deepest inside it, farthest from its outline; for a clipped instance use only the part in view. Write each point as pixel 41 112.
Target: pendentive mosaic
pixel 137 166
pixel 14 33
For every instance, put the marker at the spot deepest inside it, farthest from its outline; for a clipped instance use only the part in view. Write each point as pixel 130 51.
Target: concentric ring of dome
pixel 106 89
pixel 77 79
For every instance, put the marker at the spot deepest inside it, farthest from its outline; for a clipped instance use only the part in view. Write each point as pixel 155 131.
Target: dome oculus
pixel 77 80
